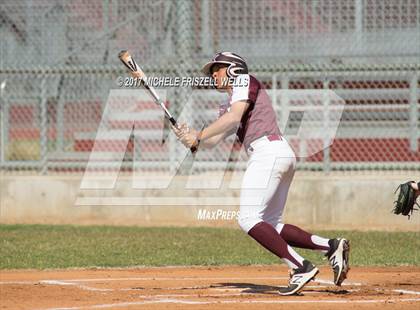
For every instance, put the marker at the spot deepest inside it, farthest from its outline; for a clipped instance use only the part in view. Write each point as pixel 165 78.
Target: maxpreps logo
pixel 216 215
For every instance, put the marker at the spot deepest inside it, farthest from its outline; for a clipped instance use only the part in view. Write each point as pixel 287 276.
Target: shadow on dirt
pixel 272 290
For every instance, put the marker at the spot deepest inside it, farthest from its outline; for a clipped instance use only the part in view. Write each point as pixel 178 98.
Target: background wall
pixel 337 201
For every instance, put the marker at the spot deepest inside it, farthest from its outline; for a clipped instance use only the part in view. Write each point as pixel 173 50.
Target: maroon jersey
pixel 259 119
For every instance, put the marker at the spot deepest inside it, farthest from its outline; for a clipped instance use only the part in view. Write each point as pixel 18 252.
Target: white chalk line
pixel 178 279
pixel 407 292
pixel 239 289
pixel 273 292
pixel 90 288
pixel 332 283
pixel 75 282
pixel 192 302
pixel 171 298
pixel 18 282
pixel 194 296
pixel 83 287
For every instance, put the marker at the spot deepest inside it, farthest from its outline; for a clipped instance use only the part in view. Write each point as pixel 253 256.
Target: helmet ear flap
pixel 234 70
pixel 229 72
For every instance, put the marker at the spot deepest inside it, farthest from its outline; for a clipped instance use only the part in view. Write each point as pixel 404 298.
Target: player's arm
pixel 210 142
pixel 213 141
pixel 226 123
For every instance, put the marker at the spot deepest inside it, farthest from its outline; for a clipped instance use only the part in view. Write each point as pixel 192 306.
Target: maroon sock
pixel 268 237
pixel 299 238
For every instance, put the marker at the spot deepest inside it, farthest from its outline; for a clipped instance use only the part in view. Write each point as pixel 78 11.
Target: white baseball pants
pixel 266 183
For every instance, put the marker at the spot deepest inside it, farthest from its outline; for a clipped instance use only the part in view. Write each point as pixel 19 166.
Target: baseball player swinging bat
pixel 129 62
pixel 269 173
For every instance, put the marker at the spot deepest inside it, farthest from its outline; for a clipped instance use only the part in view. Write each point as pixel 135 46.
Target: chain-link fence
pixel 59 64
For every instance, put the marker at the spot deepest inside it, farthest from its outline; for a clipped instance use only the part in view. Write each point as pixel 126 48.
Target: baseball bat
pixel 129 62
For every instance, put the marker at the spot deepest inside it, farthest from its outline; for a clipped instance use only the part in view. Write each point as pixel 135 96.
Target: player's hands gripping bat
pixel 137 72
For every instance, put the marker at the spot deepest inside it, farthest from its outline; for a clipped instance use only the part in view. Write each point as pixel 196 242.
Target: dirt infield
pixel 232 287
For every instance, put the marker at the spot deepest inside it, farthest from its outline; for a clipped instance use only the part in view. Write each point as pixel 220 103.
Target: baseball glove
pixel 406 199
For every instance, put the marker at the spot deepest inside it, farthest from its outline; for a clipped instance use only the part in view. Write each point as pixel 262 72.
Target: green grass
pixel 42 246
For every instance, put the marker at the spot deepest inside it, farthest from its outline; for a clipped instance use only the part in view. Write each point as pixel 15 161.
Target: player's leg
pixel 293 235
pixel 300 238
pixel 260 183
pixel 257 189
pixel 266 235
pixel 336 250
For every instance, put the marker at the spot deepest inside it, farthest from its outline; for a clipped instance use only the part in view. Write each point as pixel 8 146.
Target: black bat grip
pixel 193 149
pixel 173 121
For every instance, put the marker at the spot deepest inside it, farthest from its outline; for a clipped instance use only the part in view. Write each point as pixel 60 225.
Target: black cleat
pixel 298 278
pixel 338 256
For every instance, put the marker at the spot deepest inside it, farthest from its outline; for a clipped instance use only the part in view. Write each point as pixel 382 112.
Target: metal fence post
pixel 206 40
pixel 44 127
pixel 414 130
pixel 284 102
pixel 2 145
pixel 105 4
pixel 4 111
pixel 183 46
pixel 184 38
pixel 60 125
pixel 359 25
pixel 274 91
pixel 326 117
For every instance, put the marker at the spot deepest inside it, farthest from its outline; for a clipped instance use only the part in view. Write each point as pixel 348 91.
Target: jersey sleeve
pixel 240 89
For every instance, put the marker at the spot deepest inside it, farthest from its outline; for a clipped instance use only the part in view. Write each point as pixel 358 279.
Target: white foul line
pixel 192 302
pixel 332 283
pixel 83 287
pixel 74 282
pixel 177 279
pixel 407 292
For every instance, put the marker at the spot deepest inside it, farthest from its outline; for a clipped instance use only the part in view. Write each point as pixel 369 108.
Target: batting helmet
pixel 236 64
